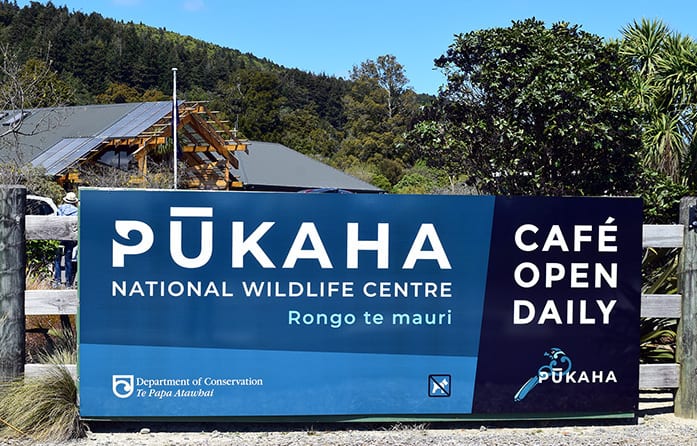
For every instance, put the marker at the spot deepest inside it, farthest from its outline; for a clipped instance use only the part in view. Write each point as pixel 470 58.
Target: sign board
pixel 219 304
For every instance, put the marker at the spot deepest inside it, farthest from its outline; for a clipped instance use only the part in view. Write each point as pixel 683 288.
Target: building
pixel 137 138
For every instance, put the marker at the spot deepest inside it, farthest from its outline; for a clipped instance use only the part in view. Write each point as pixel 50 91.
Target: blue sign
pixel 218 304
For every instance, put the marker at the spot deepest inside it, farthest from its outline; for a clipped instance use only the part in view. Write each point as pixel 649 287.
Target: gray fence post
pixel 686 354
pixel 12 281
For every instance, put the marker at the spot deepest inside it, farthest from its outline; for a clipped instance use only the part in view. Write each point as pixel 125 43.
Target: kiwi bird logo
pixel 559 365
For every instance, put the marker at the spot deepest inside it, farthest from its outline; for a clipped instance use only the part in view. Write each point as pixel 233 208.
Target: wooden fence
pixel 680 376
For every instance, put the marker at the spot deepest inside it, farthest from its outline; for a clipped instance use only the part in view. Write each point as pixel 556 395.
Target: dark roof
pixel 271 166
pixel 57 137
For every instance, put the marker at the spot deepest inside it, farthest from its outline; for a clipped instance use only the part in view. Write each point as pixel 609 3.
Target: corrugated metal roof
pixel 64 153
pixel 269 165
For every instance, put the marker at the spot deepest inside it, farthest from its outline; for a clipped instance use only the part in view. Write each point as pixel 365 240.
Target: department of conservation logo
pixel 122 385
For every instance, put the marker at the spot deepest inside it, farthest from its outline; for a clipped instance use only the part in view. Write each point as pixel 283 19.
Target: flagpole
pixel 175 118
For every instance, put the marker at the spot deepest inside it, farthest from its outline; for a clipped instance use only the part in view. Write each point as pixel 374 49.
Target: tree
pixel 117 93
pixel 306 132
pixel 23 86
pixel 32 84
pixel 534 110
pixel 389 76
pixel 254 101
pixel 378 108
pixel 664 87
pixel 430 139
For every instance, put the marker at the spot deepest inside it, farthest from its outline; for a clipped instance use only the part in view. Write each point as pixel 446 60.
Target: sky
pixel 332 36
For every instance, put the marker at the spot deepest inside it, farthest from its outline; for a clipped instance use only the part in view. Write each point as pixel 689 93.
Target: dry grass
pixel 62 348
pixel 47 335
pixel 43 409
pixel 37 280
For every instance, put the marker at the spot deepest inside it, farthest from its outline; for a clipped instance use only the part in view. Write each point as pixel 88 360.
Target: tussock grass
pixel 51 339
pixel 43 408
pixel 58 357
pixel 38 279
pixel 62 348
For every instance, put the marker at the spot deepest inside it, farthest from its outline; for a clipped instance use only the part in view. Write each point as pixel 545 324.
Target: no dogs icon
pixel 439 386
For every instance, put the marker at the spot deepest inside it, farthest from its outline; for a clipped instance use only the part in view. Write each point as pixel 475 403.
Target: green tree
pixel 665 88
pixel 534 110
pixel 255 103
pixel 31 84
pixel 442 150
pixel 306 132
pixel 153 94
pixel 117 93
pixel 389 76
pixel 131 62
pixel 378 109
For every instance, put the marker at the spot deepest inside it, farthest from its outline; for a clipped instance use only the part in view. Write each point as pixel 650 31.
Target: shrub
pixel 414 183
pixel 659 276
pixel 379 180
pixel 40 255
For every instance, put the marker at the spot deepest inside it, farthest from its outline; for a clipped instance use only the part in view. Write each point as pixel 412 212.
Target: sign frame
pixel 380 307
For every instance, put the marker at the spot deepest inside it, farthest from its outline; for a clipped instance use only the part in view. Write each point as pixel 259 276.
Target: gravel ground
pixel 655 425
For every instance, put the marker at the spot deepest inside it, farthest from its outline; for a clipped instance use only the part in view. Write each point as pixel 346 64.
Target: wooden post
pixel 686 354
pixel 13 259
